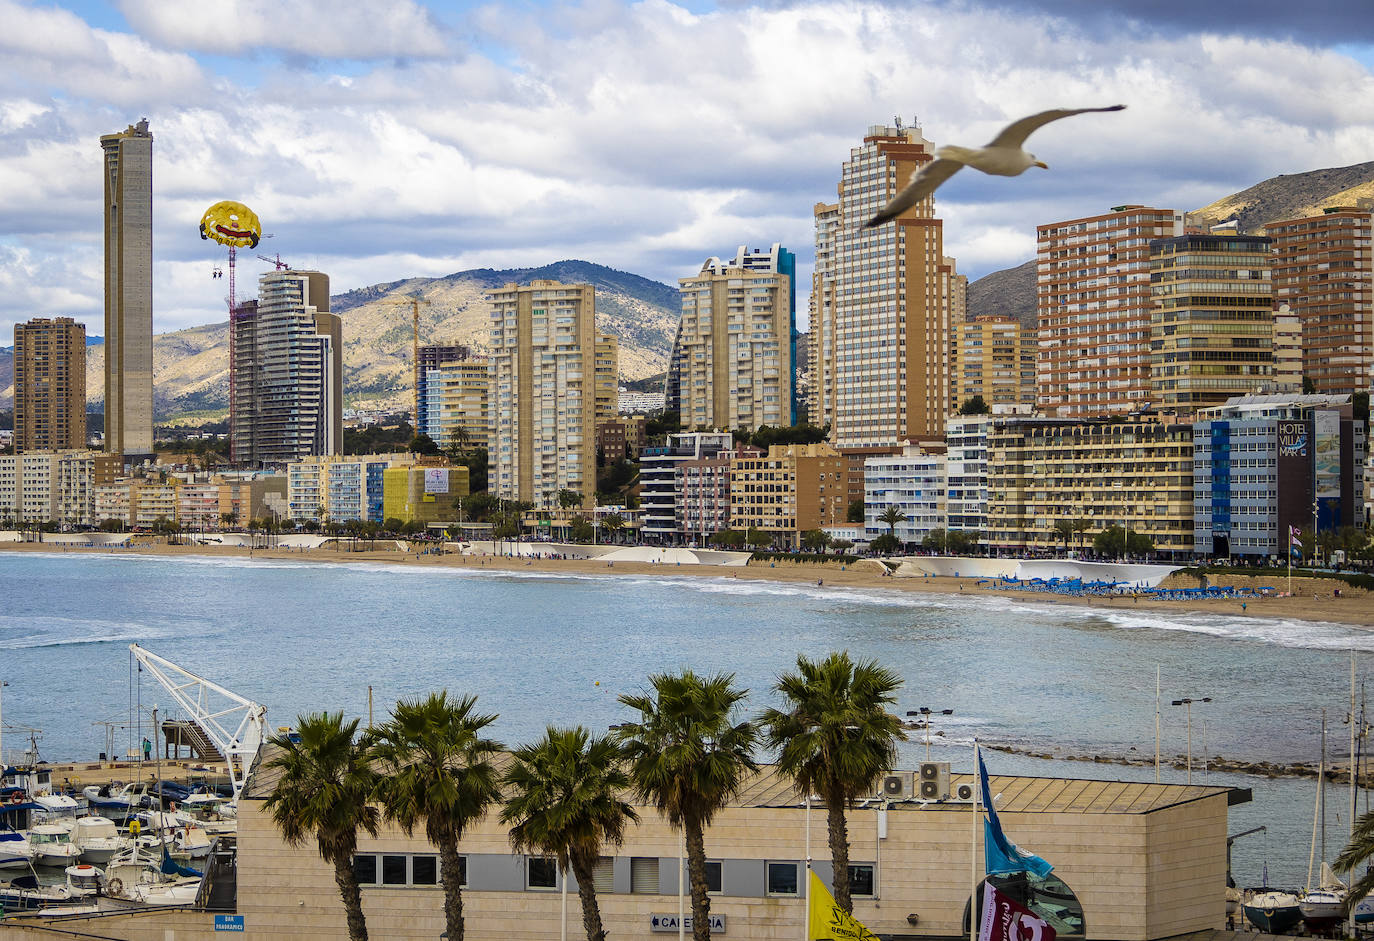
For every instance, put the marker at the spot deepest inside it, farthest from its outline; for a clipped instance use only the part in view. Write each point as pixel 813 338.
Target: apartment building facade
pixel 915 484
pixel 1324 272
pixel 734 356
pixel 1093 309
pixel 454 399
pixel 659 488
pixel 54 486
pixel 791 489
pixel 49 385
pixel 545 390
pixel 994 358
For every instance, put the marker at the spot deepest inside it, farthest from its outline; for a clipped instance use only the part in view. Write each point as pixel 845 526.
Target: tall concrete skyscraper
pixel 49 385
pixel 128 170
pixel 286 357
pixel 881 304
pixel 545 370
pixel 734 355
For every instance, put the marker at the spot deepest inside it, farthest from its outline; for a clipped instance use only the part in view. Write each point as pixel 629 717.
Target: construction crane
pixel 414 303
pixel 281 265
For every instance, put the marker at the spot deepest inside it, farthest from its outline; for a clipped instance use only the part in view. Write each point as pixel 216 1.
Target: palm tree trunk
pixel 696 875
pixel 347 881
pixel 450 870
pixel 586 893
pixel 839 851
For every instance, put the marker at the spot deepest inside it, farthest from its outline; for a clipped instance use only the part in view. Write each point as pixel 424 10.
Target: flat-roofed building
pixel 49 385
pixel 1262 463
pixel 340 488
pixel 546 390
pixel 734 355
pixel 1093 306
pixel 1133 861
pixel 1212 328
pixel 912 482
pixel 883 303
pixel 423 493
pixel 791 489
pixel 994 359
pixel 659 492
pixel 1324 271
pixel 128 181
pixel 820 334
pixel 54 486
pixel 1287 351
pixel 1102 473
pixel 455 401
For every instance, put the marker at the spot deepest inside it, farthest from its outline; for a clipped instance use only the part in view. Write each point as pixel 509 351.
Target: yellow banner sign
pixel 829 922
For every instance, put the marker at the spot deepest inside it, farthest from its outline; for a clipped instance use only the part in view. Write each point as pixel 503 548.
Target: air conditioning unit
pixel 896 785
pixel 934 781
pixel 963 793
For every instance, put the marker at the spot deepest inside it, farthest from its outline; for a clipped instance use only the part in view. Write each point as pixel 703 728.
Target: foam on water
pixel 20 633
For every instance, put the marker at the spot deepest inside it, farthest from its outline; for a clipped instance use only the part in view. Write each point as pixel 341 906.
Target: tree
pixel 729 538
pixel 323 791
pixel 437 769
pixel 842 545
pixel 891 517
pixel 816 540
pixel 423 444
pixel 974 406
pixel 1065 528
pixel 1359 849
pixel 836 739
pixel 1111 542
pixel 758 538
pixel 581 530
pixel 855 513
pixel 688 757
pixel 112 526
pixel 230 519
pixel 885 544
pixel 613 523
pixel 564 801
pixel 569 499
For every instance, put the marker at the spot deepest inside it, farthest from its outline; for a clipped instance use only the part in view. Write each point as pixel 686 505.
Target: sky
pixel 383 141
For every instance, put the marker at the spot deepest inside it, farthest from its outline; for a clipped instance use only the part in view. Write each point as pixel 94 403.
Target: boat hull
pixel 1321 911
pixel 1271 918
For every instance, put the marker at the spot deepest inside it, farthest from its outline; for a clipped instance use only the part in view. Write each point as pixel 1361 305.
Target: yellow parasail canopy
pixel 231 223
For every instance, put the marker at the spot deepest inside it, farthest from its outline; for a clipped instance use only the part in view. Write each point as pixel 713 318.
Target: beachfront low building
pixel 1044 473
pixel 338 489
pixel 791 489
pixel 658 482
pixel 914 483
pixel 1265 464
pixel 424 492
pixel 1132 861
pixel 54 486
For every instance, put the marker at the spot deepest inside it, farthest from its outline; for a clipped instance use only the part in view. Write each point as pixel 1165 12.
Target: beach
pixel 1312 599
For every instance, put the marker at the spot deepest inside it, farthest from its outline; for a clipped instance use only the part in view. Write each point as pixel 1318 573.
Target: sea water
pixel 538 647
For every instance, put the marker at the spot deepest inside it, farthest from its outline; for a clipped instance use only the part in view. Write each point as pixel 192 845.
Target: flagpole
pixel 973 908
pixel 1156 723
pixel 806 895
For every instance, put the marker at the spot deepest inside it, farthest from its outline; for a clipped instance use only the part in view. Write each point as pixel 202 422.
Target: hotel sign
pixel 671 923
pixel 1293 438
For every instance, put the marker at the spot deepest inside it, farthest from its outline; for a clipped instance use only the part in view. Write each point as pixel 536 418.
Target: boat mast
pixel 1318 810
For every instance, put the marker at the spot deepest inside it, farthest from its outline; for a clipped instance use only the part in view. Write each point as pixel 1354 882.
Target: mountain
pixel 191 367
pixel 1007 293
pixel 1011 291
pixel 1290 196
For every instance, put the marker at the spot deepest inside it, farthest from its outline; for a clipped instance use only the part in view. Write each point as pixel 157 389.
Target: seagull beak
pixel 1041 164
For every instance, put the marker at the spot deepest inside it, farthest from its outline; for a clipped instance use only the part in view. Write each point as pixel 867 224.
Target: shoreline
pixel 1353 609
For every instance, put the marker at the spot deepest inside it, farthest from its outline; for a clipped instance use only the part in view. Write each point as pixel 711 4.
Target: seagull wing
pixel 923 182
pixel 1015 134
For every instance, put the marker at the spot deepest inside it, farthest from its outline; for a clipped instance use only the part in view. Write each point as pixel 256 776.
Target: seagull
pixel 1003 157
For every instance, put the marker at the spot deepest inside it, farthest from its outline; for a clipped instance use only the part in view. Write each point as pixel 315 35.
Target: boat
pixel 15 851
pixel 1322 907
pixel 1363 911
pixel 116 800
pixel 52 845
pixel 97 839
pixel 25 894
pixel 140 876
pixel 1272 911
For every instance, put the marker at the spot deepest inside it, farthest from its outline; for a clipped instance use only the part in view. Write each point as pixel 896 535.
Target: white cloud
pixel 311 28
pixel 638 135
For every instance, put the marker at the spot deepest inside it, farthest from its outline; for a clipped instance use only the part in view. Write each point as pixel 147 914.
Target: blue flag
pixel 999 853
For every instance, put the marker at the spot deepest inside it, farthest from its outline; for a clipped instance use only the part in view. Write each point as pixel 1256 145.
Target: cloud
pixel 327 29
pixel 640 135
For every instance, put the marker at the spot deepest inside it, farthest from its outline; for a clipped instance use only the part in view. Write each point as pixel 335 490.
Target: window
pixel 401 869
pixel 713 876
pixel 782 878
pixel 861 879
pixel 644 875
pixel 541 872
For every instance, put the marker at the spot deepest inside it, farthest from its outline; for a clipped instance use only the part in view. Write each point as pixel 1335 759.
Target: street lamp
pixel 1189 704
pixel 926 712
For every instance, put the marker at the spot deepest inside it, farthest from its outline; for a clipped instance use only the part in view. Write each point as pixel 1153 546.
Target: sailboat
pixel 1323 907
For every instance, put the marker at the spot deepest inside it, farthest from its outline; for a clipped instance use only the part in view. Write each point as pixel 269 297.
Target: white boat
pixel 135 877
pixel 210 811
pixel 115 800
pixel 1323 906
pixel 15 851
pixel 98 839
pixel 52 845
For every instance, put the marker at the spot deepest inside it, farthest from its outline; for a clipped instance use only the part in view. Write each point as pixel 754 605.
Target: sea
pixel 540 648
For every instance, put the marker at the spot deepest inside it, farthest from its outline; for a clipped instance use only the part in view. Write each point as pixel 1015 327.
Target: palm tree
pixel 836 739
pixel 1360 848
pixel 565 802
pixel 689 759
pixel 614 523
pixel 323 791
pixel 892 516
pixel 438 770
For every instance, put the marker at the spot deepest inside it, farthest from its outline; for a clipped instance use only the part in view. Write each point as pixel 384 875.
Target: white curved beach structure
pixel 650 555
pixel 1140 574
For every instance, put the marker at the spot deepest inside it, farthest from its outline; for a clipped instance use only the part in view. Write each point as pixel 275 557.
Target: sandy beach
pixel 1313 599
